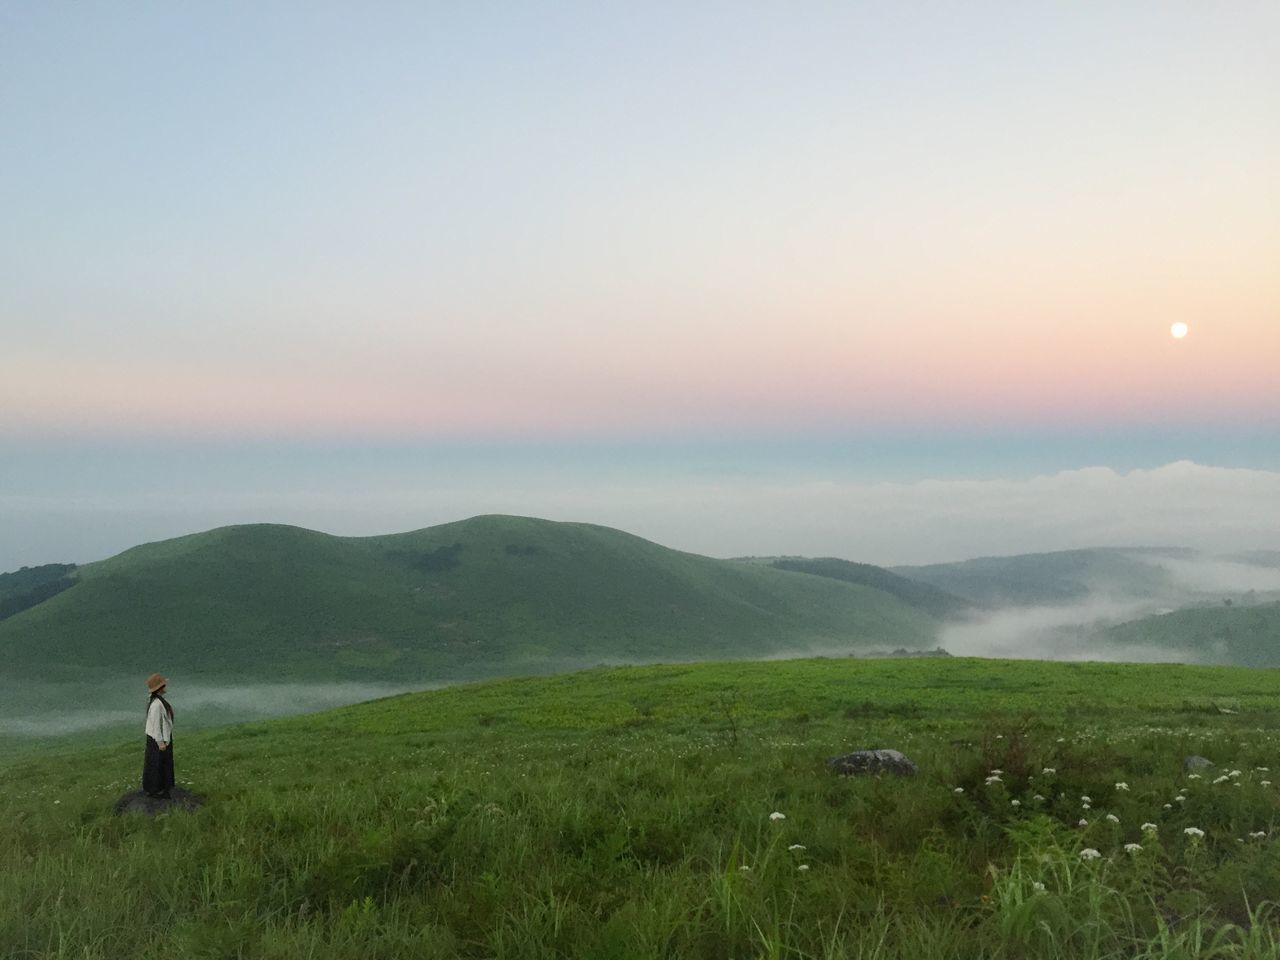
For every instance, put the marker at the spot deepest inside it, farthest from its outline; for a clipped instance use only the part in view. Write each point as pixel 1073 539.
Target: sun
pixel 1178 330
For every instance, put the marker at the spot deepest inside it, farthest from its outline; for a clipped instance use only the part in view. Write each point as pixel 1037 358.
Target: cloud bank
pixel 1055 633
pixel 1214 509
pixel 1182 504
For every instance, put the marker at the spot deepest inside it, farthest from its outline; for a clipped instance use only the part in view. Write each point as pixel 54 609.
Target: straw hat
pixel 155 682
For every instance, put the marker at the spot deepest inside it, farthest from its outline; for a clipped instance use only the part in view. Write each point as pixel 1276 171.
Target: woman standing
pixel 157 768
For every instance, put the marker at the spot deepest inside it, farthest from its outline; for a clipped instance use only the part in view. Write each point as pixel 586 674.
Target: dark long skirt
pixel 157 769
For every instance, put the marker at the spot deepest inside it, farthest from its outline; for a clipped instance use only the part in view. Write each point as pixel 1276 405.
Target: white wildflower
pixel 1222 779
pixel 803 867
pixel 1082 823
pixel 797 846
pixel 1113 818
pixel 958 790
pixel 1234 773
pixel 996 773
pixel 1037 886
pixel 1168 806
pixel 1180 799
pixel 776 816
pixel 1049 770
pixel 1084 799
pixel 1132 847
pixel 1193 776
pixel 1258 835
pixel 991 780
pixel 1086 806
pixel 1088 853
pixel 744 867
pixel 1194 832
pixel 1015 803
pixel 1037 797
pixel 1149 827
pixel 1122 786
pixel 1265 783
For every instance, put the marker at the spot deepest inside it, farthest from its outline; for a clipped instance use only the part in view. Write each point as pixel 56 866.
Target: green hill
pixel 1247 636
pixel 1051 579
pixel 484 596
pixel 680 812
pixel 32 585
pixel 922 596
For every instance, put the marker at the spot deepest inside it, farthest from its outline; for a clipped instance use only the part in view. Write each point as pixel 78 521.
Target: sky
pixel 744 278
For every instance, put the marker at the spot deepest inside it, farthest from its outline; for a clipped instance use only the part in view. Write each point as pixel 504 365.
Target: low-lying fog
pixel 1070 631
pixel 1054 633
pixel 1057 632
pixel 48 710
pixel 1220 575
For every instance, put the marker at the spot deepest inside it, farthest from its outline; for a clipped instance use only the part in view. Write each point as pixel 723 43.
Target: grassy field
pixel 491 595
pixel 681 811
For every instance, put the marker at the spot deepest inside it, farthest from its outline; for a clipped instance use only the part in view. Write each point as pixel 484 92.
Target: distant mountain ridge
pixel 1178 604
pixel 924 596
pixel 485 596
pixel 1246 636
pixel 1049 579
pixel 30 586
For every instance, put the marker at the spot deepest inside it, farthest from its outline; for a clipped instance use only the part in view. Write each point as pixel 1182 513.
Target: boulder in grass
pixel 1194 762
pixel 139 802
pixel 865 762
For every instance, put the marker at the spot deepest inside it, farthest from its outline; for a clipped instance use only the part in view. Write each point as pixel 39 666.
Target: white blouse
pixel 159 726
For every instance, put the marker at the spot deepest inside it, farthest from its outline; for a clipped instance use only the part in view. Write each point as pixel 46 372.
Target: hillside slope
pixel 29 586
pixel 488 595
pixel 916 593
pixel 1058 578
pixel 1239 635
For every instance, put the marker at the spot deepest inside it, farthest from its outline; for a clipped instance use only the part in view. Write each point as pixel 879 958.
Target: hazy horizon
pixel 876 282
pixel 1214 510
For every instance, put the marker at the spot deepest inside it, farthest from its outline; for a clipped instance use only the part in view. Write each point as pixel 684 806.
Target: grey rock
pixel 1195 762
pixel 864 762
pixel 139 802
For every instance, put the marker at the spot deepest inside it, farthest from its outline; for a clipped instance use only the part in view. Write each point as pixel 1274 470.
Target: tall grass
pixel 414 828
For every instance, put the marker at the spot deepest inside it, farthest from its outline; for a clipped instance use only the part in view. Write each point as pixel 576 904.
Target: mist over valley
pixel 259 621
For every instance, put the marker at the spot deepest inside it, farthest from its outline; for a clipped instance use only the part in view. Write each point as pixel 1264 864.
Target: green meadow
pixel 680 811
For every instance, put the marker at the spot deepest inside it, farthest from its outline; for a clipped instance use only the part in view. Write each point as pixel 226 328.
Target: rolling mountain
pixel 1054 579
pixel 923 596
pixel 485 596
pixel 32 585
pixel 1247 636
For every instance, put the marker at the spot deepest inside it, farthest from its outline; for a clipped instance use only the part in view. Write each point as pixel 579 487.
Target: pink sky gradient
pixel 1060 373
pixel 674 222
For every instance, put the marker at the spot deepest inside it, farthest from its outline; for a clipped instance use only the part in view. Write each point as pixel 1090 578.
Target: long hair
pixel 157 696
